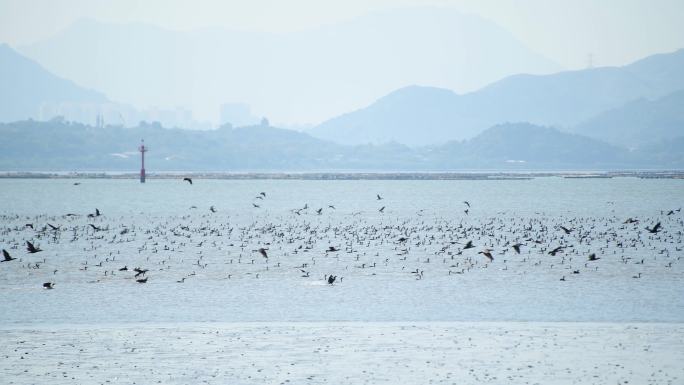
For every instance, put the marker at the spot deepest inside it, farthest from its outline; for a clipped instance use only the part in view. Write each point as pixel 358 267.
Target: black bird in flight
pixel 7 256
pixel 379 197
pixel 212 209
pixel 558 249
pixel 319 211
pixel 332 249
pixel 382 209
pixel 516 247
pixel 593 257
pixel 255 205
pixel 53 227
pixel 467 203
pixel 95 227
pixel 331 279
pixel 263 194
pixel 566 230
pixel 32 249
pixel 631 220
pixel 263 253
pixel 469 245
pixel 657 228
pixel 49 285
pixel 142 280
pixel 188 180
pixel 487 253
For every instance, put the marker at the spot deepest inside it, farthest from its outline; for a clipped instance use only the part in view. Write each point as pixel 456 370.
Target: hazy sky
pixel 615 31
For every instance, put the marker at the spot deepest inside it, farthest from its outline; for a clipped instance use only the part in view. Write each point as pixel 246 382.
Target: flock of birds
pixel 304 244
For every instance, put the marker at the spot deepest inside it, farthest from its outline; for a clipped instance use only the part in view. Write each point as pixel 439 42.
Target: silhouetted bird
pixel 630 220
pixel 468 245
pixel 516 247
pixel 53 227
pixel 212 209
pixel 487 253
pixel 566 230
pixel 49 285
pixel 263 194
pixel 655 229
pixel 558 249
pixel 379 197
pixel 467 203
pixel 331 279
pixel 32 249
pixel 331 249
pixel 125 268
pixel 7 256
pixel 188 180
pixel 382 209
pixel 593 257
pixel 142 280
pixel 262 251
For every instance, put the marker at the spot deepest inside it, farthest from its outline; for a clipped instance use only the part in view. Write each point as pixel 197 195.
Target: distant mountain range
pixel 300 76
pixel 638 123
pixel 25 87
pixel 426 115
pixel 603 118
pixel 56 145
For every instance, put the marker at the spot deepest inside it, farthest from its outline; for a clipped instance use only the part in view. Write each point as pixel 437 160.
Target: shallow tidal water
pixel 410 303
pixel 169 229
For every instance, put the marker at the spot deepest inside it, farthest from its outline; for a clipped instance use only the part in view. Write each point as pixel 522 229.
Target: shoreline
pixel 249 324
pixel 456 175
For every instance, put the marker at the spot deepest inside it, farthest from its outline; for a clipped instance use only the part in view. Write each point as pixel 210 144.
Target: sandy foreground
pixel 345 353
